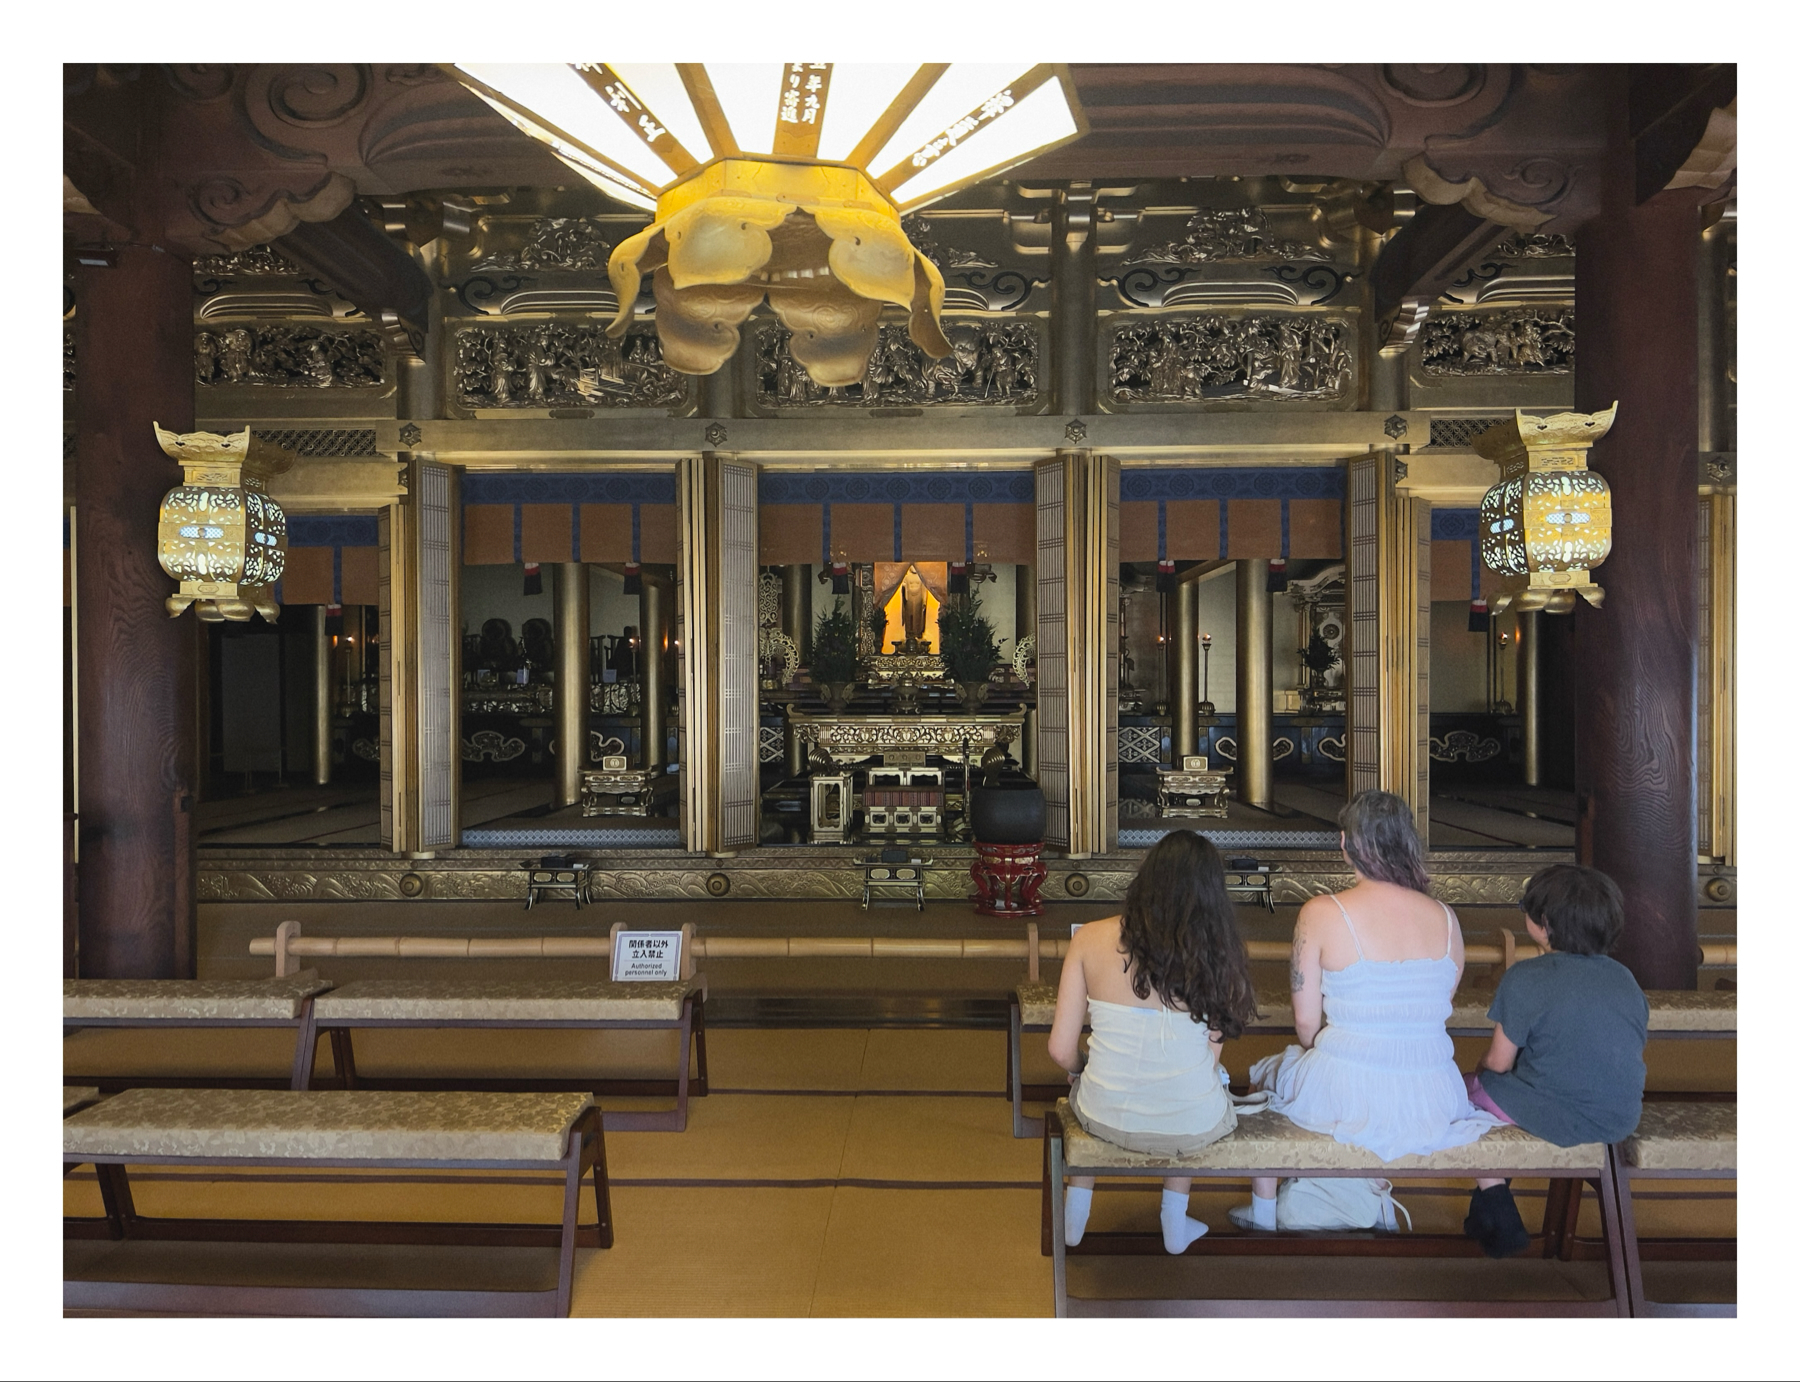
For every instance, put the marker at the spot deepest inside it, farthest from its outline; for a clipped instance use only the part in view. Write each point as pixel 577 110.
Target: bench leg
pixel 565 1267
pixel 115 1197
pixel 1053 1195
pixel 1627 1235
pixel 306 1048
pixel 344 1055
pixel 1015 1069
pixel 681 1078
pixel 699 1086
pixel 1613 1227
pixel 602 1184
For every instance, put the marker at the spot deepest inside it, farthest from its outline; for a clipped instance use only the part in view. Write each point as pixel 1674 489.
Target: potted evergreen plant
pixel 967 644
pixel 834 657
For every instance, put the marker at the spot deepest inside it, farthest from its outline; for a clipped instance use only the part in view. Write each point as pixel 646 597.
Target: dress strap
pixel 1347 925
pixel 1449 935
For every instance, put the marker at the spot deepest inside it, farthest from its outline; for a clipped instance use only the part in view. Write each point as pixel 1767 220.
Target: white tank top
pixel 1150 1070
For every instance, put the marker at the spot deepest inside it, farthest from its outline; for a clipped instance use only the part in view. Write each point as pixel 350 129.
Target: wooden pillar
pixel 135 665
pixel 1184 672
pixel 1025 625
pixel 1531 696
pixel 1716 764
pixel 421 662
pixel 1636 272
pixel 1074 322
pixel 571 689
pixel 1078 650
pixel 1255 683
pixel 321 698
pixel 720 784
pixel 1388 603
pixel 653 645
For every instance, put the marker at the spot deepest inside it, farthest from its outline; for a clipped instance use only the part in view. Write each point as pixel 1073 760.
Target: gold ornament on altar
pixel 784 180
pixel 219 533
pixel 1548 522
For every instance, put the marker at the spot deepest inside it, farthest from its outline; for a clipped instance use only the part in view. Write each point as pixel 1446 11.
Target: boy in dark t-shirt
pixel 1567 1058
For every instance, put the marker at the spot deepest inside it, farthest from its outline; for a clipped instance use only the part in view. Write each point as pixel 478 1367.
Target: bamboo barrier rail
pixel 791 948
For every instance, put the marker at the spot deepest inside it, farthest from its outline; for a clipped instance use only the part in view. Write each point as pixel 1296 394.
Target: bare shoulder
pixel 1096 935
pixel 1313 912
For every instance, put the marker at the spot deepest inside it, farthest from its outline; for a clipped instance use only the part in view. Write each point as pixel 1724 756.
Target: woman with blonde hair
pixel 1373 972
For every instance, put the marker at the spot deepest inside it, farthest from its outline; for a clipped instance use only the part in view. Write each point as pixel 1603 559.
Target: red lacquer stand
pixel 1007 879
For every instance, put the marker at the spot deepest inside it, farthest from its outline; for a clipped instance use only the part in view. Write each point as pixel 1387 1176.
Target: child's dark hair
pixel 1181 935
pixel 1580 907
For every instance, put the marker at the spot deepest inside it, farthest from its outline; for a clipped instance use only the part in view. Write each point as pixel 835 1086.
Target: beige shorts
pixel 1154 1143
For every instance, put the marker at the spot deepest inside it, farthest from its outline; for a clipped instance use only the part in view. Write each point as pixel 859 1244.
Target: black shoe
pixel 1494 1222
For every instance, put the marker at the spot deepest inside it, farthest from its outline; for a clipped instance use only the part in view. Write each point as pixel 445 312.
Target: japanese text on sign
pixel 646 955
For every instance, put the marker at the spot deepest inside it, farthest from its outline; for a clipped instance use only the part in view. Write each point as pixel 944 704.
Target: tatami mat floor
pixel 852 1172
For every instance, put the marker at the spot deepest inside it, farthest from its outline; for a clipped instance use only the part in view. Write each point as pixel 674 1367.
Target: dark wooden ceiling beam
pixel 1426 255
pixel 368 268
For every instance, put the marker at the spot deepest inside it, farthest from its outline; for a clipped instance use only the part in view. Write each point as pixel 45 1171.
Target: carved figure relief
pixel 1175 360
pixel 257 261
pixel 1527 341
pixel 550 364
pixel 989 363
pixel 946 257
pixel 1530 244
pixel 1238 233
pixel 555 244
pixel 296 357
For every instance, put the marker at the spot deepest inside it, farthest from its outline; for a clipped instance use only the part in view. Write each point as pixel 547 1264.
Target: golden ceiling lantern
pixel 785 181
pixel 1548 522
pixel 219 533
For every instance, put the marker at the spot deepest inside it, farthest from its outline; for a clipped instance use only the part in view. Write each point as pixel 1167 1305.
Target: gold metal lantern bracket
pixel 219 533
pixel 1548 522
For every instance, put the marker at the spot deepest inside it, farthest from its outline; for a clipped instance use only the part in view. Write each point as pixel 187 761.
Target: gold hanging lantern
pixel 785 181
pixel 219 533
pixel 1548 522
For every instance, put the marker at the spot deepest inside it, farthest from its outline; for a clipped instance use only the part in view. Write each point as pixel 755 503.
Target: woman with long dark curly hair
pixel 1162 986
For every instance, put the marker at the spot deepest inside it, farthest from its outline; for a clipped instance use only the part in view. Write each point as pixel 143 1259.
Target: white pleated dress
pixel 1382 1073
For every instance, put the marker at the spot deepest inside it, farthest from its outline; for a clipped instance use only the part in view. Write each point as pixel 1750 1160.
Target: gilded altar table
pixel 852 738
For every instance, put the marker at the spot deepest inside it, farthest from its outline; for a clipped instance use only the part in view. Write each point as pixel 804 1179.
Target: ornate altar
pixel 907 674
pixel 831 807
pixel 852 738
pixel 1190 791
pixel 626 792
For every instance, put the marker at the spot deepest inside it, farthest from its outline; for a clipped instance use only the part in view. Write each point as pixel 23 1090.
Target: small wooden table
pixel 543 882
pixel 1183 793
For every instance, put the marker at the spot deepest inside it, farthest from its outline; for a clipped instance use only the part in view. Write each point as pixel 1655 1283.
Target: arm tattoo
pixel 1296 980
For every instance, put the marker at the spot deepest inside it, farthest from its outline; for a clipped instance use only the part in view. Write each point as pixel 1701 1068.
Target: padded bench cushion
pixel 1037 1004
pixel 487 1000
pixel 341 1124
pixel 164 1000
pixel 1682 1010
pixel 1684 1137
pixel 1268 1141
pixel 1274 1006
pixel 78 1096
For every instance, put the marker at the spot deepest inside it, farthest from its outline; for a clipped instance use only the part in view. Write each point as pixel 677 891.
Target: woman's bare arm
pixel 1071 1009
pixel 1306 980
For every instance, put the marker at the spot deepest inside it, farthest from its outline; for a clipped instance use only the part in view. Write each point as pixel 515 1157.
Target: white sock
pixel 1178 1228
pixel 1076 1203
pixel 1262 1212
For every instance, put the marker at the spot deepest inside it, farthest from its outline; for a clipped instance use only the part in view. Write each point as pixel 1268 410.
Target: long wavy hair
pixel 1180 933
pixel 1382 841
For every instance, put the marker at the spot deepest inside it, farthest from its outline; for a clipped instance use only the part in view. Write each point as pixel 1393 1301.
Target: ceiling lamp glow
pixel 219 533
pixel 1548 522
pixel 785 181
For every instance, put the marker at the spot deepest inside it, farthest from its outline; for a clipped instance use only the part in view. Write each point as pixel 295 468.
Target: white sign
pixel 646 955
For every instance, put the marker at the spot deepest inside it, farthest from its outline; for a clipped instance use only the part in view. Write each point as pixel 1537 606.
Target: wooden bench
pixel 127 1261
pixel 565 1005
pixel 1266 1144
pixel 1674 1014
pixel 279 1002
pixel 1674 1142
